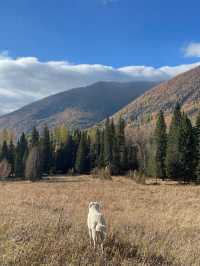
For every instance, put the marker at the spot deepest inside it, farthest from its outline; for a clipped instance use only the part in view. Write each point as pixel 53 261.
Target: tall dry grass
pixel 44 223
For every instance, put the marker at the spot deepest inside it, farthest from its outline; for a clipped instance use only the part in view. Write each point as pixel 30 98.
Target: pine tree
pixel 11 156
pixel 21 155
pixel 187 149
pixel 160 138
pixel 173 145
pixel 4 151
pixel 121 143
pixel 107 143
pixel 69 154
pixel 95 150
pixel 76 136
pixel 46 151
pixel 81 157
pixel 115 164
pixel 64 156
pixel 132 162
pixel 197 134
pixel 101 162
pixel 34 137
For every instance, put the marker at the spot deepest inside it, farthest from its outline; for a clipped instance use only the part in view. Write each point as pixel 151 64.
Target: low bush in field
pixel 138 177
pixel 102 173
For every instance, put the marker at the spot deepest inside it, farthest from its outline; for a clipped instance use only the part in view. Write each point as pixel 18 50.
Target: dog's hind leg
pixel 102 236
pixel 90 235
pixel 94 237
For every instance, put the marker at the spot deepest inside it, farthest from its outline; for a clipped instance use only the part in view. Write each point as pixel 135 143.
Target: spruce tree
pixel 197 134
pixel 64 156
pixel 4 151
pixel 101 162
pixel 34 137
pixel 132 162
pixel 187 149
pixel 160 138
pixel 21 155
pixel 108 143
pixel 76 136
pixel 46 151
pixel 69 153
pixel 95 150
pixel 121 143
pixel 11 156
pixel 115 164
pixel 173 146
pixel 81 156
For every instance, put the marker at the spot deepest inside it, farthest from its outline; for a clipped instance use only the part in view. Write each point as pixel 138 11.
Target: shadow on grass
pixel 118 251
pixel 43 180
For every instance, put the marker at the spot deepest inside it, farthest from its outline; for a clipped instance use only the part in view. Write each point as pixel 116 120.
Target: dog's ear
pixel 90 204
pixel 100 205
pixel 97 205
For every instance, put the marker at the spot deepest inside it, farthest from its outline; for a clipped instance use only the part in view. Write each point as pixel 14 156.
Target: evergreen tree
pixel 95 150
pixel 34 137
pixel 108 143
pixel 4 151
pixel 76 136
pixel 173 145
pixel 64 156
pixel 11 156
pixel 115 163
pixel 81 157
pixel 160 138
pixel 21 155
pixel 187 149
pixel 121 143
pixel 132 162
pixel 101 162
pixel 197 134
pixel 69 153
pixel 46 151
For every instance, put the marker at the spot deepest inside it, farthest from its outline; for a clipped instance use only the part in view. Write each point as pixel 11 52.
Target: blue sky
pixel 115 32
pixel 48 46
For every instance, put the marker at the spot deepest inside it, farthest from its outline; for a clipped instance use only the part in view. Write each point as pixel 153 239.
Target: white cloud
pixel 192 50
pixel 26 79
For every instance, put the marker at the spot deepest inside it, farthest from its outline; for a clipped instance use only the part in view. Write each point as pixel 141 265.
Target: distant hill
pixel 184 88
pixel 77 108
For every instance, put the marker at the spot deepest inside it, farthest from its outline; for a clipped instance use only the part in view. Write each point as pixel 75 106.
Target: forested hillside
pixel 76 108
pixel 184 88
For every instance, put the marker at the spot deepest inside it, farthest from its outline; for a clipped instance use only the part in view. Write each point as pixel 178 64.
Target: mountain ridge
pixel 184 88
pixel 76 108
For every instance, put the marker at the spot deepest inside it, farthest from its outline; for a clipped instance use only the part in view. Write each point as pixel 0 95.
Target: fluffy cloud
pixel 26 79
pixel 192 50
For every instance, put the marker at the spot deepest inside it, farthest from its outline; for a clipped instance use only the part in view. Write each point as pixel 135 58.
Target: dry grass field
pixel 44 223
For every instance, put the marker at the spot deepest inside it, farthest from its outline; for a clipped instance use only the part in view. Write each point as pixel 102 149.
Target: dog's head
pixel 94 205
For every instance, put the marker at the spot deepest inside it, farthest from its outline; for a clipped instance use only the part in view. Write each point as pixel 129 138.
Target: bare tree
pixel 5 169
pixel 139 136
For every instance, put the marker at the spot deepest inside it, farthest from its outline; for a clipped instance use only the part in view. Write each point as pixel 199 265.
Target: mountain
pixel 76 108
pixel 184 88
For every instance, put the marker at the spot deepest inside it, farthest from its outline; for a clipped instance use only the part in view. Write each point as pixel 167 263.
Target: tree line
pixel 177 152
pixel 76 152
pixel 173 153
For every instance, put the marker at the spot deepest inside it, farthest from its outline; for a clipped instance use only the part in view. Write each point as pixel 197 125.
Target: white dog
pixel 96 225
